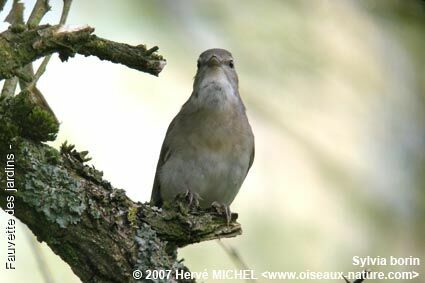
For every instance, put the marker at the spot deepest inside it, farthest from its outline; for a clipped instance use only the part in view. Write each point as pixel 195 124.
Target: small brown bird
pixel 209 146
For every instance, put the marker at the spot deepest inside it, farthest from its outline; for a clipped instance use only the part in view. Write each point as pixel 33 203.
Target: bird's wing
pixel 166 151
pixel 251 158
pixel 156 198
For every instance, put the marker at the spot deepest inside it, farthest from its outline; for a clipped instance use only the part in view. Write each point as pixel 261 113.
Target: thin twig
pixel 235 257
pixel 39 258
pixel 41 7
pixel 40 71
pixel 9 87
pixel 364 275
pixel 65 11
pixel 15 16
pixel 42 68
pixel 26 76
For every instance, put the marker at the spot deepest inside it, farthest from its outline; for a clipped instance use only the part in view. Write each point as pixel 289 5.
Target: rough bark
pixel 20 46
pixel 94 227
pixel 102 234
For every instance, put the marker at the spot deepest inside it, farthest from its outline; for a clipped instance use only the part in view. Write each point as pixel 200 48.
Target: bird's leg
pixel 224 210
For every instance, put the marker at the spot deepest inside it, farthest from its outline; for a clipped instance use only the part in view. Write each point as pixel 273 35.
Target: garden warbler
pixel 209 146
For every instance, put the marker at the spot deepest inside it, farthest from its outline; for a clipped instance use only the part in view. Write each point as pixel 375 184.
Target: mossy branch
pixel 20 46
pixel 101 233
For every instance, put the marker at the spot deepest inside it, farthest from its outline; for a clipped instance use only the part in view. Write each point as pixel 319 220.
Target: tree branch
pixel 65 11
pixel 41 7
pixel 21 47
pixel 9 87
pixel 94 227
pixel 15 16
pixel 42 68
pixel 102 234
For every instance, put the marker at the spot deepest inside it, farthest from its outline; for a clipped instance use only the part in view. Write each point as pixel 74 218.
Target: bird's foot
pixel 186 202
pixel 192 198
pixel 223 210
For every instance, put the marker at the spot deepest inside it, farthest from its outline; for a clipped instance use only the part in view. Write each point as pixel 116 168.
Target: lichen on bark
pixel 44 178
pixel 94 227
pixel 20 46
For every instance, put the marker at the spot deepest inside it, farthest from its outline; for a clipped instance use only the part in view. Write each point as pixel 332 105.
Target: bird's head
pixel 216 69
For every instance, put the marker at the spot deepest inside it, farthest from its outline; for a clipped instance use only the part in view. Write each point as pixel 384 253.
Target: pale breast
pixel 209 157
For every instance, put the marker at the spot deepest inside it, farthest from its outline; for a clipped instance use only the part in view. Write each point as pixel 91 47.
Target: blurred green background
pixel 335 92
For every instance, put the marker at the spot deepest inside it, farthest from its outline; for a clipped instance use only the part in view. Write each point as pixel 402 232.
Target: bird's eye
pixel 231 65
pixel 199 64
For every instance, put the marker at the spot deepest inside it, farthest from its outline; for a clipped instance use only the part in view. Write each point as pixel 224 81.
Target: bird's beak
pixel 213 61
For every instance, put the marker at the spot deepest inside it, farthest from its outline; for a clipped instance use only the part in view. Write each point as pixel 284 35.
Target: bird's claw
pixel 192 198
pixel 223 210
